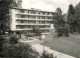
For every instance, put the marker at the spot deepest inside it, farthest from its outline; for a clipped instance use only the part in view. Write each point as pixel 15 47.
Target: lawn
pixel 68 45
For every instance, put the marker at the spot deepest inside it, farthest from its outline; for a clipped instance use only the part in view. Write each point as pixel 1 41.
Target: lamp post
pixel 43 38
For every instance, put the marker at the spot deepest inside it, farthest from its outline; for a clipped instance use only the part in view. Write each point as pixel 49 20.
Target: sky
pixel 49 5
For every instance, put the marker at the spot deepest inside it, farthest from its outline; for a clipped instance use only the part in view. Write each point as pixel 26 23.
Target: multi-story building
pixel 23 20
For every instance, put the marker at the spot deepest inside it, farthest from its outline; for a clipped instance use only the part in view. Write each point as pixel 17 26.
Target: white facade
pixel 24 20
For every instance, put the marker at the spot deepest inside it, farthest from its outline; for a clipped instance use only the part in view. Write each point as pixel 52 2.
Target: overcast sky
pixel 49 5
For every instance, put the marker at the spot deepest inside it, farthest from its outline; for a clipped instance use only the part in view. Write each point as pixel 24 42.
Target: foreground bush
pixel 2 41
pixel 47 55
pixel 19 51
pixel 14 40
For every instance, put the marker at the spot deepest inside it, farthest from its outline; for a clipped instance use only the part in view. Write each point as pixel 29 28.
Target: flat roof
pixel 33 9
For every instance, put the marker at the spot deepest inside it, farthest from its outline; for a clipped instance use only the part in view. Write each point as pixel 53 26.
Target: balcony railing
pixel 30 24
pixel 34 14
pixel 34 19
pixel 23 29
pixel 44 28
pixel 19 29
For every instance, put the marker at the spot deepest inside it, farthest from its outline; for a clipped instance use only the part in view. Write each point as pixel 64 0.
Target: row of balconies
pixel 33 14
pixel 34 19
pixel 33 11
pixel 32 29
pixel 30 24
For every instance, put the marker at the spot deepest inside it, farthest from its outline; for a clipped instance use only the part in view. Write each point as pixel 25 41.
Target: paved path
pixel 39 48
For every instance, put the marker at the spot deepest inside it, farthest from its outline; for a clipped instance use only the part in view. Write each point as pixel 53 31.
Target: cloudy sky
pixel 49 5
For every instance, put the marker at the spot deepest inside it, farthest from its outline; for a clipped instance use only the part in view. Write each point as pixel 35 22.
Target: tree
pixel 14 40
pixel 59 11
pixel 66 26
pixel 77 17
pixel 59 22
pixel 36 30
pixel 71 18
pixel 74 18
pixel 5 5
pixel 71 9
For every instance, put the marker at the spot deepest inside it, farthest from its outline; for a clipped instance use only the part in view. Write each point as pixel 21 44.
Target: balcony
pixel 34 19
pixel 19 29
pixel 46 33
pixel 22 29
pixel 45 28
pixel 34 14
pixel 30 24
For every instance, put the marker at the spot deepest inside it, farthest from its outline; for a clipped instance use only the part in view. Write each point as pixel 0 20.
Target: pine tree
pixel 77 17
pixel 71 18
pixel 71 9
pixel 58 21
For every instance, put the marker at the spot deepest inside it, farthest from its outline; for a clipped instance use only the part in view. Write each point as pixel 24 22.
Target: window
pixel 19 27
pixel 29 11
pixel 16 10
pixel 43 13
pixel 18 21
pixel 46 17
pixel 38 17
pixel 33 17
pixel 26 11
pixel 43 22
pixel 34 21
pixel 21 21
pixel 38 12
pixel 22 16
pixel 43 17
pixel 48 13
pixel 33 12
pixel 22 11
pixel 18 16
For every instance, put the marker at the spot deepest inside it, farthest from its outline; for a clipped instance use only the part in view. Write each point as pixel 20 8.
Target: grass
pixel 68 45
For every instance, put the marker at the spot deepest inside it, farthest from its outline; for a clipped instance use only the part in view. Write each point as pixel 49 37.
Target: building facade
pixel 23 20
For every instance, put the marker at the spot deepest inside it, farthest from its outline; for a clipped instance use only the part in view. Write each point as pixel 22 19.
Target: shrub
pixel 66 33
pixel 18 33
pixel 37 31
pixel 46 55
pixel 14 40
pixel 19 51
pixel 27 51
pixel 2 40
pixel 60 32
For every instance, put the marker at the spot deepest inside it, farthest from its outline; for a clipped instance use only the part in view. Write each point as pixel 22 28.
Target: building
pixel 23 20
